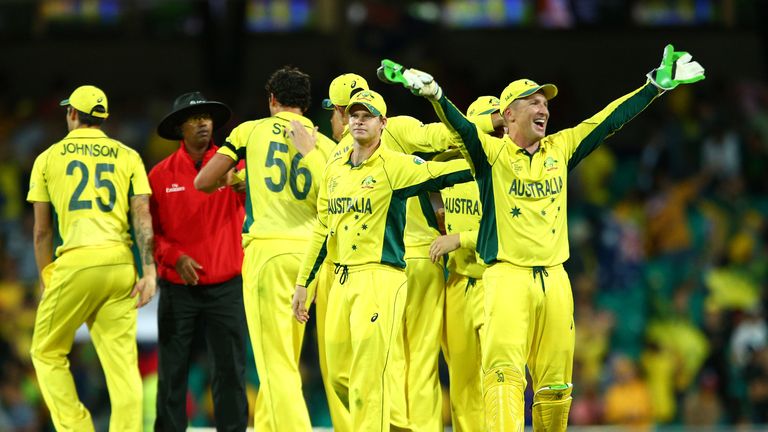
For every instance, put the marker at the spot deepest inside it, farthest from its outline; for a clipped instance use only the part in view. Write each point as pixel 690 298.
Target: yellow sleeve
pixel 468 239
pixel 317 158
pixel 235 145
pixel 38 188
pixel 317 249
pixel 579 141
pixel 480 150
pixel 409 135
pixel 410 175
pixel 139 180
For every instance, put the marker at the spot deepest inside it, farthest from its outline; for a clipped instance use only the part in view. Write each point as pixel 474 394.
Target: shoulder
pixel 41 161
pixel 403 120
pixel 247 127
pixel 395 157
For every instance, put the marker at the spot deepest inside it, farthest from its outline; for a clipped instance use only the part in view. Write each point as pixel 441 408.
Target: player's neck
pixel 277 108
pixel 527 145
pixel 362 151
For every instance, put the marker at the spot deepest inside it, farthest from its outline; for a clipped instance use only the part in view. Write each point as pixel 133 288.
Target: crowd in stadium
pixel 669 265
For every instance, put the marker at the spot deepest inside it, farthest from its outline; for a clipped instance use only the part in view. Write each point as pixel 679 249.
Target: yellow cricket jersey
pixel 408 135
pixel 463 210
pixel 88 178
pixel 364 215
pixel 523 195
pixel 281 184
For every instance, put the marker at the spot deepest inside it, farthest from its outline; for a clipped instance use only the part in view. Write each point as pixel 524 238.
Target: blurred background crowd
pixel 668 220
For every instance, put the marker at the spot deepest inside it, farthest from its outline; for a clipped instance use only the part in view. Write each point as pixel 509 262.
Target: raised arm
pixel 422 83
pixel 676 68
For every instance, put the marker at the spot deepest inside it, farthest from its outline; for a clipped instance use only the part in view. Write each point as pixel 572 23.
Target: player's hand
pixel 442 245
pixel 187 268
pixel 299 304
pixel 145 288
pixel 418 82
pixel 239 187
pixel 676 68
pixel 301 138
pixel 236 180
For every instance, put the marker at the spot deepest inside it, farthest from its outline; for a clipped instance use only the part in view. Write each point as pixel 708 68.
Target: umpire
pixel 197 238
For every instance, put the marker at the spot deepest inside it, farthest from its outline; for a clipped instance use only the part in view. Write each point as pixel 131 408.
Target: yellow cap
pixel 525 87
pixel 342 88
pixel 88 99
pixel 371 100
pixel 483 105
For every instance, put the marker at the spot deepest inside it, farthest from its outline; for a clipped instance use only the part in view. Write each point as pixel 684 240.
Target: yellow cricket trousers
pixel 463 319
pixel 270 268
pixel 365 312
pixel 422 335
pixel 528 321
pixel 92 286
pixel 340 417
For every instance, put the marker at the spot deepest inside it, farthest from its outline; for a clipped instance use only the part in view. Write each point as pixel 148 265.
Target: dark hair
pixel 291 87
pixel 89 120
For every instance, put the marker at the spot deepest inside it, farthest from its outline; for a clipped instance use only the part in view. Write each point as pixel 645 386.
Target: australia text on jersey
pixel 461 206
pixel 348 204
pixel 536 189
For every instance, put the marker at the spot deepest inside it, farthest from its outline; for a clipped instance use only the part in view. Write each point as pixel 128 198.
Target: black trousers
pixel 220 307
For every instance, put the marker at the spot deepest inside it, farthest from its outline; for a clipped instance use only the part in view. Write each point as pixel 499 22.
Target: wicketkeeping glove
pixel 676 68
pixel 418 82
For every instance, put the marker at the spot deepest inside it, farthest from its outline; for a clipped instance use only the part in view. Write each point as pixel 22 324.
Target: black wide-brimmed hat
pixel 187 105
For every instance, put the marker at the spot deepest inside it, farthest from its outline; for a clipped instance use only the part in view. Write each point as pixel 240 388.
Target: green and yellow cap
pixel 523 88
pixel 342 88
pixel 88 99
pixel 483 105
pixel 371 100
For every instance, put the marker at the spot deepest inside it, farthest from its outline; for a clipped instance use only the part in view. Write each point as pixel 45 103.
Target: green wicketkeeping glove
pixel 676 68
pixel 418 82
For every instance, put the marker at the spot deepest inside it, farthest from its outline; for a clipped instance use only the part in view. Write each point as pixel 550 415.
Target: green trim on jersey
pixel 240 153
pixel 613 122
pixel 132 234
pixel 488 236
pixel 318 262
pixel 57 239
pixel 435 184
pixel 248 221
pixel 393 246
pixel 426 209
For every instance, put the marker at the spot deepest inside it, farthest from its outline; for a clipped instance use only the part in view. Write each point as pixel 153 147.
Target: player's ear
pixel 383 122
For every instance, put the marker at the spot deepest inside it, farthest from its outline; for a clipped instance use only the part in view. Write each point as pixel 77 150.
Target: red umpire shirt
pixel 189 222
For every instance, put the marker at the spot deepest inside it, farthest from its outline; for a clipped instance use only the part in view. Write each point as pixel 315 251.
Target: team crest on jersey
pixel 418 161
pixel 550 163
pixel 368 182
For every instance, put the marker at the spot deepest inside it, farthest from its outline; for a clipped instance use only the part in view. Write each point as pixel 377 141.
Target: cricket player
pixel 464 297
pixel 366 188
pixel 419 405
pixel 341 89
pixel 280 211
pixel 82 189
pixel 523 179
